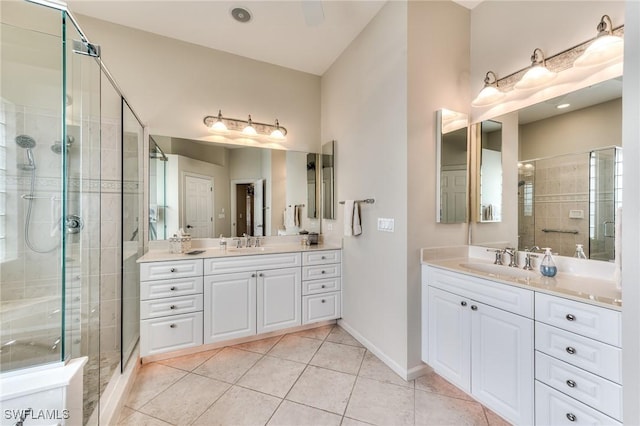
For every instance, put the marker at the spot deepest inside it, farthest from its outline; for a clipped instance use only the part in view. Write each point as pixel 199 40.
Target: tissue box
pixel 180 244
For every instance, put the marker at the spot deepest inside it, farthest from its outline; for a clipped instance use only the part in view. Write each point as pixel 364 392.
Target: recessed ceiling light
pixel 241 14
pixel 563 106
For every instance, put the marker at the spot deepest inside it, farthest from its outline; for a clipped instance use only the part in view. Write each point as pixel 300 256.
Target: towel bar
pixel 366 200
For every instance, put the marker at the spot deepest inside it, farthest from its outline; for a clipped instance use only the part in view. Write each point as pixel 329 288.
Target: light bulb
pixel 277 132
pixel 490 94
pixel 603 50
pixel 536 76
pixel 219 125
pixel 249 129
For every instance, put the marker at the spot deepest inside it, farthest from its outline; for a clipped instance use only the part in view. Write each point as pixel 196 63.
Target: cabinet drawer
pixel 320 286
pixel 555 408
pixel 174 269
pixel 588 320
pixel 321 307
pixel 170 288
pixel 502 296
pixel 593 390
pixel 596 357
pixel 170 333
pixel 170 306
pixel 251 263
pixel 321 271
pixel 321 257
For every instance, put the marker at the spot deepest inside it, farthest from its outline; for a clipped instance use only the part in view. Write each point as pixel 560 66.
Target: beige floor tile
pixel 494 419
pixel 140 419
pixel 434 409
pixel 325 389
pixel 432 382
pixel 346 421
pixel 240 406
pixel 228 365
pixel 274 376
pixel 373 368
pixel 152 379
pixel 381 403
pixel 339 335
pixel 259 346
pixel 172 406
pixel 124 413
pixel 319 333
pixel 292 414
pixel 335 356
pixel 294 348
pixel 189 362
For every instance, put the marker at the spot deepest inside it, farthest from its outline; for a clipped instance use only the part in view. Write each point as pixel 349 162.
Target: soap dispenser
pixel 547 266
pixel 223 244
pixel 579 252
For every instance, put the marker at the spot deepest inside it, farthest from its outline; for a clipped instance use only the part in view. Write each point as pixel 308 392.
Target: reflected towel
pixel 348 217
pixel 289 218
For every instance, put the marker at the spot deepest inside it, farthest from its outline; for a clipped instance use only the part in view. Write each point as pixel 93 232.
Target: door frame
pixel 234 197
pixel 183 198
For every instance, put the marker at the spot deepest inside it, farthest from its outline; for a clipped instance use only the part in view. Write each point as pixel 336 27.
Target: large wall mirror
pixel 211 189
pixel 452 166
pixel 569 173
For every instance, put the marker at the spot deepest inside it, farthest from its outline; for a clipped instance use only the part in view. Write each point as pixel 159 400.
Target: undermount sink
pixel 499 270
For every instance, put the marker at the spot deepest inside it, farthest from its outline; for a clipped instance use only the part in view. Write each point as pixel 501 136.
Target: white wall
pixel 364 108
pixel 174 85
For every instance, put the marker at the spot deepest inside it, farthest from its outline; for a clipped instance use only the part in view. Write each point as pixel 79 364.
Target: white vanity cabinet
pixel 171 306
pixel 480 337
pixel 260 294
pixel 578 363
pixel 321 286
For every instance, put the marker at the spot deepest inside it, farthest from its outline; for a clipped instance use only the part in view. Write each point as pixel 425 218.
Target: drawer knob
pixel 172 307
pixel 572 417
pixel 463 303
pixel 172 326
pixel 322 272
pixel 571 383
pixel 173 288
pixel 173 269
pixel 570 350
pixel 474 308
pixel 570 317
pixel 323 286
pixel 324 257
pixel 261 274
pixel 322 300
pixel 253 275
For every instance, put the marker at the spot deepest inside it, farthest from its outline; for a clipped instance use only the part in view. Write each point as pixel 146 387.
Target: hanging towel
pixel 289 218
pixel 357 228
pixel 348 217
pixel 296 215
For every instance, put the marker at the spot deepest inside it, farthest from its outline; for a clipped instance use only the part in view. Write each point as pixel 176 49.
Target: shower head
pixel 28 143
pixel 57 145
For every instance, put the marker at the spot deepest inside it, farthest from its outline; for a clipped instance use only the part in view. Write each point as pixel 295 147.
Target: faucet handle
pixel 498 253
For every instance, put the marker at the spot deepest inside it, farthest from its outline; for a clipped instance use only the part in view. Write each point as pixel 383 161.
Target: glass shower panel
pixel 603 166
pixel 80 150
pixel 31 183
pixel 132 228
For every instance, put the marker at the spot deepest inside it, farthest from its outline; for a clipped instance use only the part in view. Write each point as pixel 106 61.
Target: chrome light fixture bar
pixel 221 124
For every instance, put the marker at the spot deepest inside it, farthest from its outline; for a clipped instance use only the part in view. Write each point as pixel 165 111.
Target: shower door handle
pixel 605 227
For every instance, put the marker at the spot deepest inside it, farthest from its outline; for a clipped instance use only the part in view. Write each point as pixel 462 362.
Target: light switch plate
pixel 385 224
pixel 576 214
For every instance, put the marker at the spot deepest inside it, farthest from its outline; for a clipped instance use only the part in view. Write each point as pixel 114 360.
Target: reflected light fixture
pixel 490 94
pixel 538 75
pixel 605 48
pixel 221 124
pixel 563 106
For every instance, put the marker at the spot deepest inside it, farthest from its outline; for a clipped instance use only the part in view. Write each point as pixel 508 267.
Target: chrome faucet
pixel 498 253
pixel 513 256
pixel 527 259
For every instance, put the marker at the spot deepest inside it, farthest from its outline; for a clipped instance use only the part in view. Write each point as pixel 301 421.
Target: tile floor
pixel 321 376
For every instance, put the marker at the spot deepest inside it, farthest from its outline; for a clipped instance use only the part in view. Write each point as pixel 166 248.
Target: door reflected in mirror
pixel 452 166
pixel 490 190
pixel 328 180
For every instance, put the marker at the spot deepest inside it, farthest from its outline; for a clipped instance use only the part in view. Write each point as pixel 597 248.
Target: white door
pixel 258 208
pixel 279 299
pixel 502 362
pixel 454 196
pixel 198 196
pixel 449 337
pixel 229 306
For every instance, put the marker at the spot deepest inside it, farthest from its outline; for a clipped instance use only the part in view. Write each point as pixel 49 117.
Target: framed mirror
pixel 565 187
pixel 490 179
pixel 328 180
pixel 211 189
pixel 452 166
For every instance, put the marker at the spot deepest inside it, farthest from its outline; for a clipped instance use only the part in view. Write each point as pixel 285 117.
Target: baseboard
pixel 115 395
pixel 405 374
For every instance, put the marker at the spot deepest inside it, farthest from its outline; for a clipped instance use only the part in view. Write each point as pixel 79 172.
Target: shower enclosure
pixel 70 204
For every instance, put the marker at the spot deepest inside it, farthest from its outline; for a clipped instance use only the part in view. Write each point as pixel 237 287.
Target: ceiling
pixel 305 35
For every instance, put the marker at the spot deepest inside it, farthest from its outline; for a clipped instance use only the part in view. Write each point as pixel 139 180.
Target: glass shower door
pixel 605 188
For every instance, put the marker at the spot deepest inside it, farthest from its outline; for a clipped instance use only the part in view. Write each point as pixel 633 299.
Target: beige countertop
pixel 595 291
pixel 211 252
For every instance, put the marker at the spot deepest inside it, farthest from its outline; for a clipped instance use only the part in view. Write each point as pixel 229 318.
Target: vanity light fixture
pixel 490 94
pixel 221 124
pixel 605 48
pixel 538 75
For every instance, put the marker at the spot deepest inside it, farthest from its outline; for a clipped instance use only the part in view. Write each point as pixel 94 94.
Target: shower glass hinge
pixel 86 48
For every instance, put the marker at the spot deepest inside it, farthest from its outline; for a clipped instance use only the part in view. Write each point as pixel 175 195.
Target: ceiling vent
pixel 241 14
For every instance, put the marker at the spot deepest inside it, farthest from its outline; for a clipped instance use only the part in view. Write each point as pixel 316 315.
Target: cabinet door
pixel 229 306
pixel 449 337
pixel 502 362
pixel 279 299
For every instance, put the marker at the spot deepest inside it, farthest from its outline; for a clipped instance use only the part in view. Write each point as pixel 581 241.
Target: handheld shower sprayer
pixel 28 143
